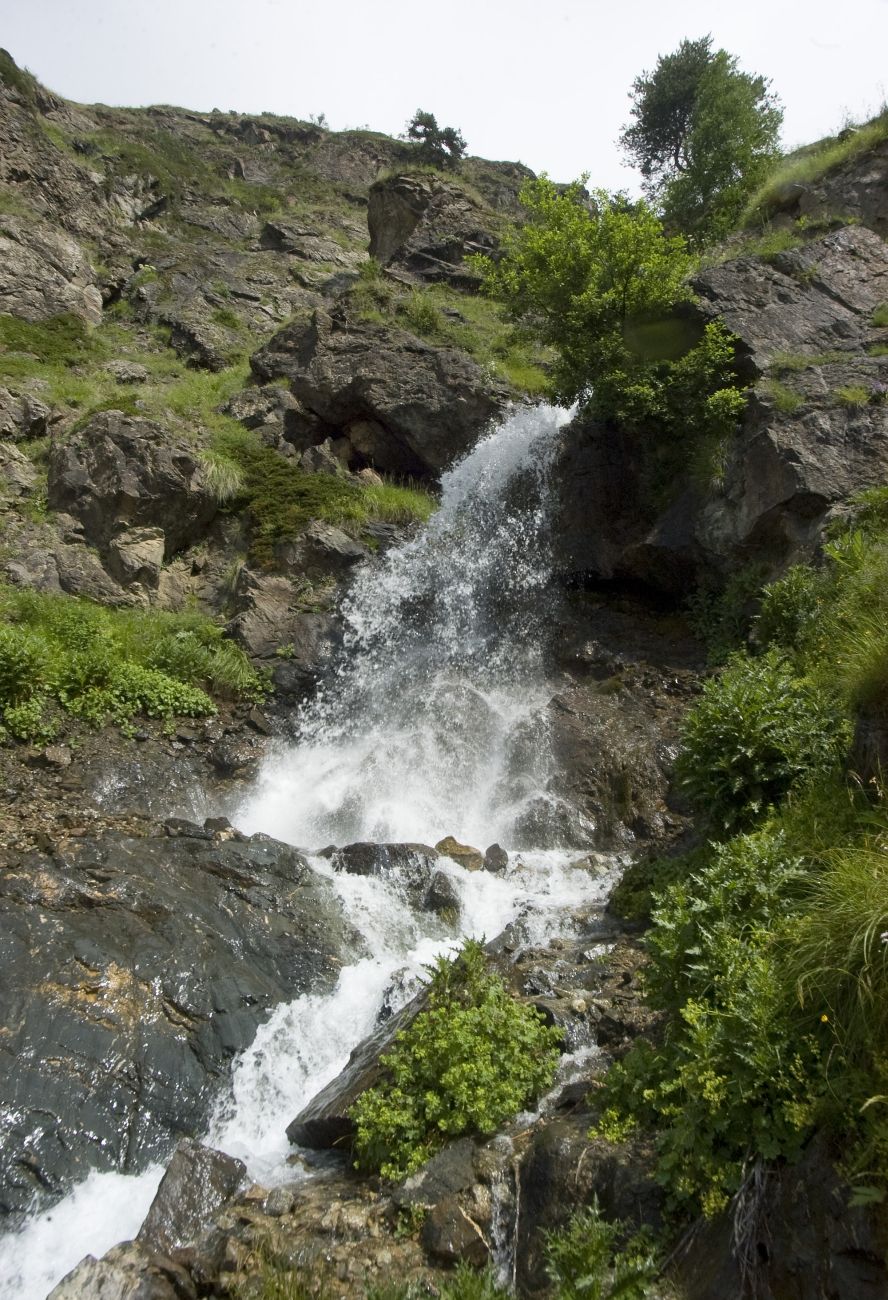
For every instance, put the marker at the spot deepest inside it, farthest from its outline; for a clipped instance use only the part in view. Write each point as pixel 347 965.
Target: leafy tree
pixel 440 146
pixel 704 136
pixel 586 272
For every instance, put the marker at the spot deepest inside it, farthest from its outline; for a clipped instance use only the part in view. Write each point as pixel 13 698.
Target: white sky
pixel 541 81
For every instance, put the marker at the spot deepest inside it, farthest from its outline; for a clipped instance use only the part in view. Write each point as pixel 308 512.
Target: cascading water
pixel 431 723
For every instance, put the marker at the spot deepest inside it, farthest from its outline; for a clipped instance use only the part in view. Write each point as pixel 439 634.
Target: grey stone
pixel 136 555
pixel 197 1181
pixel 495 858
pixel 433 402
pixel 120 470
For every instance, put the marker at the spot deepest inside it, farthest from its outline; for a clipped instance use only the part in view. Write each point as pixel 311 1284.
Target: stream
pixel 432 722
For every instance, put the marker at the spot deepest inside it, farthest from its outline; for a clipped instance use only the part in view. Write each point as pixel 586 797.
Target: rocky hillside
pixel 236 353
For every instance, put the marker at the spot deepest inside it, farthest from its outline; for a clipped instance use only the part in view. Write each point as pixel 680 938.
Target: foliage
pixel 61 340
pixel 739 1074
pixel 758 731
pixel 439 146
pixel 470 1060
pixel 593 1259
pixel 854 395
pixel 597 280
pixel 704 136
pixel 61 654
pixel 721 614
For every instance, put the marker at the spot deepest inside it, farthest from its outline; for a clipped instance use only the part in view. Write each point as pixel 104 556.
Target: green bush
pixel 739 1075
pixel 593 1259
pixel 61 654
pixel 467 1063
pixel 757 732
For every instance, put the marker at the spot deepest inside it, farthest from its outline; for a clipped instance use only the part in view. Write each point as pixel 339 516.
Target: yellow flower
pixel 824 1019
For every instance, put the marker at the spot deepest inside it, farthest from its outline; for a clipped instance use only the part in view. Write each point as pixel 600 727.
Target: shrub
pixel 592 1259
pixel 792 611
pixel 757 732
pixel 737 1077
pixel 468 1062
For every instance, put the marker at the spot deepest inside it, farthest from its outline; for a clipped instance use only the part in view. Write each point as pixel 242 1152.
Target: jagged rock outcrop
pixel 431 403
pixel 427 226
pixel 815 432
pixel 44 273
pixel 146 962
pixel 123 471
pixel 857 189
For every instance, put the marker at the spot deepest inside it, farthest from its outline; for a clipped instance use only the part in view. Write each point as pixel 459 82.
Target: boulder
pixel 197 1181
pixel 495 858
pixel 127 372
pixel 427 225
pixel 322 551
pixel 24 416
pixel 463 854
pixel 451 1236
pixel 129 1271
pixel 136 555
pixel 271 620
pixel 432 402
pixel 411 865
pixel 123 471
pixel 147 962
pixel 306 242
pixel 442 895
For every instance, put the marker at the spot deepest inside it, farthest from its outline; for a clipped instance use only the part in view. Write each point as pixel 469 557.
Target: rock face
pixel 805 1240
pixel 44 273
pixel 121 471
pixel 427 226
pixel 804 322
pixel 430 404
pixel 146 963
pixel 858 189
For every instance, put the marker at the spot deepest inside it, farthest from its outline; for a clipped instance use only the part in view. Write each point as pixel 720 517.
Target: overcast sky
pixel 541 81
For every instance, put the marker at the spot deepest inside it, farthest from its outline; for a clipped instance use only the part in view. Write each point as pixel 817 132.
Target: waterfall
pixel 431 722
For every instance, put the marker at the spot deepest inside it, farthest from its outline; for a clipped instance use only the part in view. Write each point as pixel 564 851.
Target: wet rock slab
pixel 133 969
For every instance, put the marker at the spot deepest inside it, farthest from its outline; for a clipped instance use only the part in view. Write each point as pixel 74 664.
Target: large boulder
pixel 431 402
pixel 196 1182
pixel 119 472
pixel 147 963
pixel 427 225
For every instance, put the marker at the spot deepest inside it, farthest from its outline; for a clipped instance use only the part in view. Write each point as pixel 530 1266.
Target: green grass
pixel 784 399
pixel 813 164
pixel 880 316
pixel 445 317
pixel 281 499
pixel 62 655
pixel 854 395
pixel 19 79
